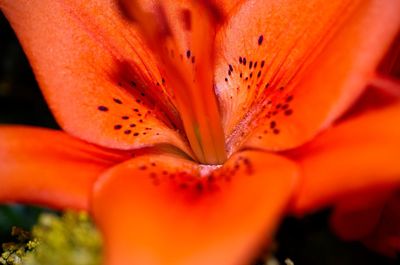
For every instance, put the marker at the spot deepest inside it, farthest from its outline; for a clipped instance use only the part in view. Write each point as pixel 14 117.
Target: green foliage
pixel 70 239
pixel 14 252
pixel 17 215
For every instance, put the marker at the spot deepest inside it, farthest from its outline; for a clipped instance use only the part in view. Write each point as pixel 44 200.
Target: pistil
pixel 187 55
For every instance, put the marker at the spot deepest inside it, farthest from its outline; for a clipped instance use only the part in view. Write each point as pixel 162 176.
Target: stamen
pixel 191 80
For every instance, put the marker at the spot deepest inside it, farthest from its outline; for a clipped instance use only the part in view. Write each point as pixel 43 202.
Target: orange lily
pixel 180 111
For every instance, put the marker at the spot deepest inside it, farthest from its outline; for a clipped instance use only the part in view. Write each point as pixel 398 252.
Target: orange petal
pixel 377 219
pixel 163 209
pixel 361 153
pixel 96 74
pixel 364 207
pixel 49 167
pixel 373 98
pixel 386 237
pixel 288 68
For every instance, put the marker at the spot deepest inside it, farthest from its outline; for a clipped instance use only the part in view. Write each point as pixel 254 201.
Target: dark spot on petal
pixel 118 101
pixel 127 131
pixel 102 108
pixel 117 126
pixel 125 117
pixel 289 98
pixel 260 39
pixel 288 112
pixel 199 187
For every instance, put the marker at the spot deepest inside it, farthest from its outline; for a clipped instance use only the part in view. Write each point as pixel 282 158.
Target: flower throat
pixel 186 51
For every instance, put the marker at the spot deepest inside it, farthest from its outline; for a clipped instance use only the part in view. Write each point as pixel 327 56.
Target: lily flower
pixel 177 116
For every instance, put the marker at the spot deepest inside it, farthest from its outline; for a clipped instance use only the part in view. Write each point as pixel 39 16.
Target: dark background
pixel 307 241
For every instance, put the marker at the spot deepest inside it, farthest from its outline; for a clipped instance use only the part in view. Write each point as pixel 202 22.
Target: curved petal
pixel 364 208
pixel 99 79
pixel 380 219
pixel 49 167
pixel 166 210
pixel 288 68
pixel 359 154
pixel 386 238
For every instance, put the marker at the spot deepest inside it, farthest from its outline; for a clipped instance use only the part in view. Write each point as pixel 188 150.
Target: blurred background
pixel 306 242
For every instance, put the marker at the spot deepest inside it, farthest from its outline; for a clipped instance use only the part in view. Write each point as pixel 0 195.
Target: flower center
pixel 185 48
